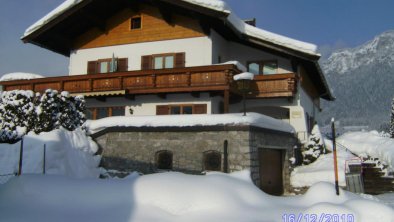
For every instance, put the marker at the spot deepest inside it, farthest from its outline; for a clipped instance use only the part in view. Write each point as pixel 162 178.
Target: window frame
pixel 163 55
pixel 261 64
pixel 131 22
pixel 94 111
pixel 181 108
pixel 99 61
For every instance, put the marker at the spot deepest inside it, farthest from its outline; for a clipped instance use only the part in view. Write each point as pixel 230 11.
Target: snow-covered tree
pixel 392 120
pixel 22 111
pixel 17 115
pixel 314 147
pixel 47 110
pixel 71 113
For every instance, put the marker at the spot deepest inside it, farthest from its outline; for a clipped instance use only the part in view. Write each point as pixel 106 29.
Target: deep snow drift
pixel 172 197
pixel 361 143
pixel 68 153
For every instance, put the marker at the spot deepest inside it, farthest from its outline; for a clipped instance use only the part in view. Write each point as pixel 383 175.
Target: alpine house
pixel 176 57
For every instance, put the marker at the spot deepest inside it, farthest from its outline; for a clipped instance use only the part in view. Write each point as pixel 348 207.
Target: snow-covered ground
pixel 360 143
pixel 175 197
pixel 67 153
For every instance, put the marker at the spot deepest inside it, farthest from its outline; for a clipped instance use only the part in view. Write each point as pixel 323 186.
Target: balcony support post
pixel 226 101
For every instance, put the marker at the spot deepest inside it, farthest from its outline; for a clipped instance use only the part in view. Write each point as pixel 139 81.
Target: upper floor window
pixel 136 22
pixel 263 67
pixel 163 61
pixel 107 65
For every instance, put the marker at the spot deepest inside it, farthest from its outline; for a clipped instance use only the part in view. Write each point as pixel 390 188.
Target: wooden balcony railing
pixel 278 85
pixel 191 79
pixel 203 78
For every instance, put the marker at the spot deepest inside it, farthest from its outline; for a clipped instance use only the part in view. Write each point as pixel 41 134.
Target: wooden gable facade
pixel 156 25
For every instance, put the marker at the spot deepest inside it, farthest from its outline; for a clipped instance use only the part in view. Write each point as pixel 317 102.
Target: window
pixel 108 65
pixel 164 160
pixel 212 161
pixel 181 109
pixel 163 62
pixel 263 67
pixel 104 66
pixel 136 22
pixel 102 112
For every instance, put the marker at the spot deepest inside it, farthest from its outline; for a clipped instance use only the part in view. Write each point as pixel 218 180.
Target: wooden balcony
pixel 190 79
pixel 278 85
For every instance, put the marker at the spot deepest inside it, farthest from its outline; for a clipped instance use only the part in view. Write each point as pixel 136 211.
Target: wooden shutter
pixel 200 109
pixel 122 65
pixel 146 62
pixel 162 110
pixel 180 60
pixel 92 67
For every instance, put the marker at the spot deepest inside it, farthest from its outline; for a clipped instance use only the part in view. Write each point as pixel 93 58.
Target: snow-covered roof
pixel 251 119
pixel 20 76
pixel 217 5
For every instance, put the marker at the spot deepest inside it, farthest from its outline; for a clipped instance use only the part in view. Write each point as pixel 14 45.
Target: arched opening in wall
pixel 212 160
pixel 164 160
pixel 272 111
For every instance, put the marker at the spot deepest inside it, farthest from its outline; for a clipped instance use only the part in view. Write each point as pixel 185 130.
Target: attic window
pixel 136 22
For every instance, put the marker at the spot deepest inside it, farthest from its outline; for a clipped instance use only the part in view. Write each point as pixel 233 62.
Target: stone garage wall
pixel 134 149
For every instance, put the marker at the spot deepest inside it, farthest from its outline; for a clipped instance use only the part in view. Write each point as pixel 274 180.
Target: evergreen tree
pixel 47 110
pixel 17 116
pixel 314 147
pixel 72 110
pixel 392 119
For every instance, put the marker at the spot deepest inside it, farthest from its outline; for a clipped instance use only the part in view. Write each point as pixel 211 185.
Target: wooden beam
pixel 226 101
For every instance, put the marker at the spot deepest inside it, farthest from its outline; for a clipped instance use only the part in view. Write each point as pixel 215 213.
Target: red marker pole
pixel 334 149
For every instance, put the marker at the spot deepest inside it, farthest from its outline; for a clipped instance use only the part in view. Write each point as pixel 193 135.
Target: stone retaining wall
pixel 134 149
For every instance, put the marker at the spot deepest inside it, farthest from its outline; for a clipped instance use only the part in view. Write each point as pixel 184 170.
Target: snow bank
pixel 68 153
pixel 20 76
pixel 171 197
pixel 217 5
pixel 370 144
pixel 321 170
pixel 253 119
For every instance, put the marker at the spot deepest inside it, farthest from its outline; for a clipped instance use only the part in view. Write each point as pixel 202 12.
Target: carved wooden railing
pixel 191 79
pixel 216 77
pixel 278 85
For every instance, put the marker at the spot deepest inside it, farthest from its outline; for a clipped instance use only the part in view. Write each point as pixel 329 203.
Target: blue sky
pixel 330 24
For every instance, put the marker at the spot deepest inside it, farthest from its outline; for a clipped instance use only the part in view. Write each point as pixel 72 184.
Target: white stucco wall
pixel 198 53
pixel 146 104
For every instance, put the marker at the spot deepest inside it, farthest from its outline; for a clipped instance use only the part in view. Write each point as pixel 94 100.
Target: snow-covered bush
pixel 72 109
pixel 315 146
pixel 22 112
pixel 17 114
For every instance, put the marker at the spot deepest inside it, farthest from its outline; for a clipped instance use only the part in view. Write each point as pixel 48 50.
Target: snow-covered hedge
pixel 315 146
pixel 23 111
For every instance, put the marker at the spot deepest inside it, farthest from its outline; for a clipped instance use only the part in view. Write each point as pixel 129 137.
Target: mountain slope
pixel 362 80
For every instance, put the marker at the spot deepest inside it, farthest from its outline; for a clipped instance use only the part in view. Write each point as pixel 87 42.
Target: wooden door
pixel 271 168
